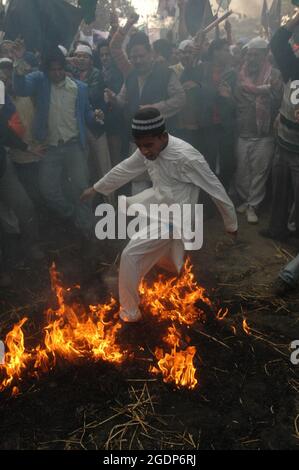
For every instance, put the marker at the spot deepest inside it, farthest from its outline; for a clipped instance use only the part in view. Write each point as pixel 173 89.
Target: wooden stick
pixel 215 23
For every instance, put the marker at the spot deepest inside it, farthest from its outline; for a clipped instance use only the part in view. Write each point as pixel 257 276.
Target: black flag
pixel 42 24
pixel 88 9
pixel 198 15
pixel 275 16
pixel 265 17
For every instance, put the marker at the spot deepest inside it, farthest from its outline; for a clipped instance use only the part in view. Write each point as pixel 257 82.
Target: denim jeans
pixel 63 177
pixel 23 219
pixel 290 273
pixel 15 198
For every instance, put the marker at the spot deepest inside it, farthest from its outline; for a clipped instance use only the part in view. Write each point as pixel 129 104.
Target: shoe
pixel 5 280
pixel 292 227
pixel 267 233
pixel 242 209
pixel 129 318
pixel 252 218
pixel 36 254
pixel 281 288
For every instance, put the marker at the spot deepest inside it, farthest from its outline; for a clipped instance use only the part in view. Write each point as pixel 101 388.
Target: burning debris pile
pixel 188 377
pixel 74 332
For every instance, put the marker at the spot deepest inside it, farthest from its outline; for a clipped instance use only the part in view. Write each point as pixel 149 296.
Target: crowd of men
pixel 67 120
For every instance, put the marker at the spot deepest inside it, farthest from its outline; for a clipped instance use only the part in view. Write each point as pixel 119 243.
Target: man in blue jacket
pixel 62 114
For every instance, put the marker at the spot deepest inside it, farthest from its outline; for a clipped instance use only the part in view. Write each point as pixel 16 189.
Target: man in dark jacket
pixel 148 84
pixel 62 114
pixel 286 163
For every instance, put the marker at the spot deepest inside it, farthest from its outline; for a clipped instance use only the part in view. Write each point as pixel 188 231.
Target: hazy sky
pixel 250 7
pixel 145 7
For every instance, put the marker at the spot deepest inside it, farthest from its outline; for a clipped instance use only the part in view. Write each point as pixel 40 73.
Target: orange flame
pixel 74 331
pixel 246 327
pixel 222 314
pixel 15 359
pixel 175 299
pixel 176 367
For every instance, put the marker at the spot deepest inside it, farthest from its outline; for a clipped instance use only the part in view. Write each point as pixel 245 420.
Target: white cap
pixel 63 50
pixel 186 43
pixel 83 48
pixel 6 60
pixel 257 43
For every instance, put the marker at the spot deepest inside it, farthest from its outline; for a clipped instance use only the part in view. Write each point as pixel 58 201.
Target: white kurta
pixel 178 174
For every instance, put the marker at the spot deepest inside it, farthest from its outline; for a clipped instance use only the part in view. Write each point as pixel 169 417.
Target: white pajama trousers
pixel 137 259
pixel 254 158
pixel 99 151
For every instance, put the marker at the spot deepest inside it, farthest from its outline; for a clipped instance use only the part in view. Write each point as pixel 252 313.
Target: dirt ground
pixel 248 392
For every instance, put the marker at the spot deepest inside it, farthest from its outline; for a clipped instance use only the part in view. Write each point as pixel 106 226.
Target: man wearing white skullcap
pixel 258 96
pixel 178 172
pixel 86 72
pixel 83 49
pixel 83 60
pixel 186 43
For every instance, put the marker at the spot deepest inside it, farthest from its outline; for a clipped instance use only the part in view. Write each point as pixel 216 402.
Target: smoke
pixel 251 8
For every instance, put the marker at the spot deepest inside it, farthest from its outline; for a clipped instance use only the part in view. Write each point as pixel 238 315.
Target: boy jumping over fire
pixel 177 172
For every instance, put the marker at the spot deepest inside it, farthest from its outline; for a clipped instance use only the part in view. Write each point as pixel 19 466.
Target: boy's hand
pixel 88 194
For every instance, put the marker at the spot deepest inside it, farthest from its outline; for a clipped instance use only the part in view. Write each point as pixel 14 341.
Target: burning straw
pixel 74 332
